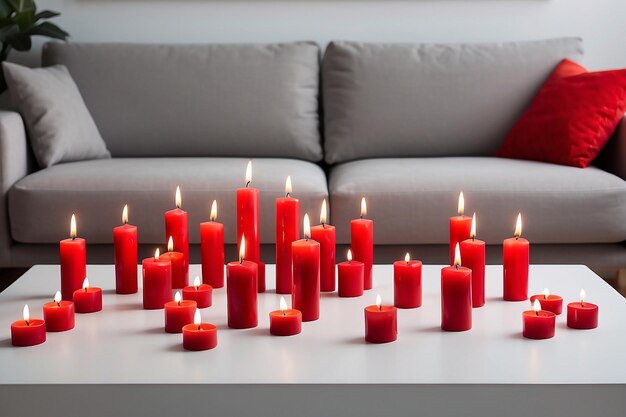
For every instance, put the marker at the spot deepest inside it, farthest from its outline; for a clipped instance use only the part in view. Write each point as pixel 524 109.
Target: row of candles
pixel 304 268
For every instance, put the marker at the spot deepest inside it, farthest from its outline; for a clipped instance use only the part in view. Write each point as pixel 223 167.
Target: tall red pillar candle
pixel 473 255
pixel 516 258
pixel 381 323
pixel 59 314
pixel 350 277
pixel 125 248
pixel 179 313
pixel 456 296
pixel 248 225
pixel 88 299
pixel 241 291
pixel 287 232
pixel 582 315
pixel 28 332
pixel 285 322
pixel 362 244
pixel 325 235
pixel 73 253
pixel 180 276
pixel 176 227
pixel 306 275
pixel 212 250
pixel 202 294
pixel 407 283
pixel 460 226
pixel 538 323
pixel 157 282
pixel 549 302
pixel 199 336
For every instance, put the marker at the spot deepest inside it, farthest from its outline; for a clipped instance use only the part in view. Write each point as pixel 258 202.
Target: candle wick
pixel 73 237
pixel 582 304
pixel 177 206
pixel 380 307
pixel 241 261
pixel 287 195
pixel 456 266
pixel 537 313
pixel 198 326
pixel 516 237
pixel 27 322
pixel 323 225
pixel 361 216
pixel 247 184
pixel 85 289
pixel 59 304
pixel 473 238
pixel 284 314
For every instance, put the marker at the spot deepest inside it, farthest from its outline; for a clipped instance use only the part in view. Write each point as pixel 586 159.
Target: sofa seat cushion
pixel 40 205
pixel 412 199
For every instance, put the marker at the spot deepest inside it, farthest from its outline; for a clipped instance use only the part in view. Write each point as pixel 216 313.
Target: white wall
pixel 601 23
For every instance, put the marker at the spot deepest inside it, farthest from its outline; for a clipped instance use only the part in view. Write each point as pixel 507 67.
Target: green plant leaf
pixel 5 9
pixel 7 31
pixel 23 5
pixel 47 29
pixel 20 41
pixel 46 14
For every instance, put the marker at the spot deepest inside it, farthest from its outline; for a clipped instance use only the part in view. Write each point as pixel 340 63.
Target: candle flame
pixel 379 301
pixel 86 284
pixel 307 226
pixel 57 297
pixel 323 212
pixel 170 244
pixel 283 304
pixel 583 296
pixel 196 282
pixel 349 255
pixel 125 214
pixel 177 297
pixel 363 207
pixel 157 254
pixel 26 313
pixel 197 319
pixel 288 187
pixel 213 216
pixel 461 206
pixel 546 293
pixel 249 173
pixel 536 306
pixel 518 226
pixel 457 255
pixel 178 199
pixel 473 228
pixel 407 257
pixel 242 248
pixel 73 226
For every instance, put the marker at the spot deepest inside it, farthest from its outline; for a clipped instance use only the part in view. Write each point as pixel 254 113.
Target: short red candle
pixel 125 257
pixel 473 255
pixel 350 277
pixel 59 314
pixel 202 294
pixel 549 302
pixel 537 323
pixel 325 235
pixel 460 227
pixel 180 276
pixel 582 315
pixel 248 224
pixel 157 282
pixel 306 275
pixel 212 250
pixel 407 283
pixel 456 296
pixel 179 313
pixel 176 227
pixel 198 335
pixel 88 299
pixel 362 244
pixel 381 323
pixel 73 252
pixel 28 332
pixel 241 291
pixel 515 264
pixel 287 232
pixel 285 322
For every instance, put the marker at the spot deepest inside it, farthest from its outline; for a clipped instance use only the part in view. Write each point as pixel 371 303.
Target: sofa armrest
pixel 15 163
pixel 613 156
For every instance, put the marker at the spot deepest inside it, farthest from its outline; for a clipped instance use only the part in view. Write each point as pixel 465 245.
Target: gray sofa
pixel 406 125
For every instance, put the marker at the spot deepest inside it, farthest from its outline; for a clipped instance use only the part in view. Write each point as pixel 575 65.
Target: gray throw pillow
pixel 59 125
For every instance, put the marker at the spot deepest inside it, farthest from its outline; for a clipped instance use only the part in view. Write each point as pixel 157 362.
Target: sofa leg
pixel 9 275
pixel 621 281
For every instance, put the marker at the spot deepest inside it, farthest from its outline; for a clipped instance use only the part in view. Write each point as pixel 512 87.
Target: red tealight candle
pixel 125 258
pixel 198 335
pixel 59 314
pixel 407 283
pixel 538 323
pixel 473 255
pixel 287 232
pixel 582 315
pixel 350 277
pixel 241 291
pixel 325 235
pixel 515 263
pixel 157 282
pixel 362 244
pixel 212 250
pixel 180 276
pixel 460 227
pixel 285 322
pixel 176 228
pixel 549 302
pixel 88 299
pixel 248 225
pixel 381 323
pixel 28 332
pixel 73 253
pixel 202 294
pixel 178 313
pixel 306 275
pixel 456 296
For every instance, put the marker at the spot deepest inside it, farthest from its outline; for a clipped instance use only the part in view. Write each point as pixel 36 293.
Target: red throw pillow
pixel 571 118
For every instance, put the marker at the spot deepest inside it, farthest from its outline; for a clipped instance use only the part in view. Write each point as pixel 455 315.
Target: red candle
pixel 28 332
pixel 350 277
pixel 157 282
pixel 407 283
pixel 202 294
pixel 306 275
pixel 125 247
pixel 538 323
pixel 212 250
pixel 381 323
pixel 325 235
pixel 177 259
pixel 199 336
pixel 362 244
pixel 582 315
pixel 460 227
pixel 456 296
pixel 287 232
pixel 285 322
pixel 515 265
pixel 473 255
pixel 241 291
pixel 179 313
pixel 549 302
pixel 59 314
pixel 248 225
pixel 88 299
pixel 176 227
pixel 73 253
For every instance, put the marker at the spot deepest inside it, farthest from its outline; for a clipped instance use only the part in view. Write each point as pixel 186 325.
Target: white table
pixel 120 361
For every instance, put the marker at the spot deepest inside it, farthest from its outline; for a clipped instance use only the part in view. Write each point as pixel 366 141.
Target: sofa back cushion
pixel 199 100
pixel 411 100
